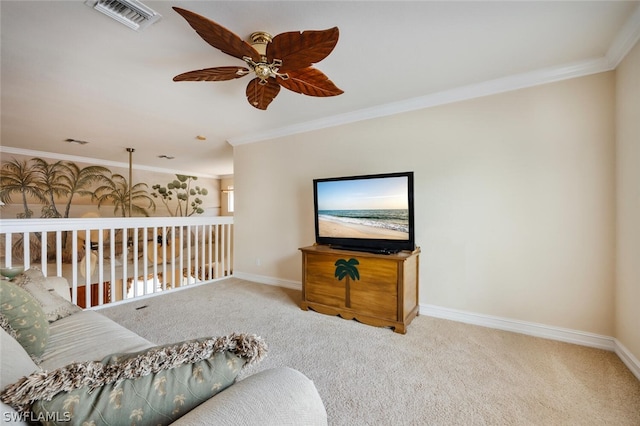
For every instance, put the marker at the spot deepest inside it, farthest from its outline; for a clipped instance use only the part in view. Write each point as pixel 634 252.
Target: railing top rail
pixel 36 225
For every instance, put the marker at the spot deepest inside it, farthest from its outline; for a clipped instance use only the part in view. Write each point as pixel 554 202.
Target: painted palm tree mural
pixel 48 184
pixel 18 178
pixel 126 201
pixel 82 180
pixel 54 183
pixel 180 189
pixel 347 269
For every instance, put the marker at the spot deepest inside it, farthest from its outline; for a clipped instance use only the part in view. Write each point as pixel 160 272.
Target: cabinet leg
pixel 400 328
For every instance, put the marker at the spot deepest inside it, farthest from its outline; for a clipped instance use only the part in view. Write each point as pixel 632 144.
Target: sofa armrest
pixel 60 285
pixel 278 396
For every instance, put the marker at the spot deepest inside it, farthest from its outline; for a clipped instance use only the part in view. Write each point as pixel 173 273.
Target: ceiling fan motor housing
pixel 263 69
pixel 259 41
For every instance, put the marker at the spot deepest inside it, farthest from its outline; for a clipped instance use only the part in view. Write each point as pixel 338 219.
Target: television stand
pixel 375 289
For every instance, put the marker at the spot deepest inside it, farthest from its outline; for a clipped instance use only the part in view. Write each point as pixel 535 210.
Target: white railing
pixel 121 258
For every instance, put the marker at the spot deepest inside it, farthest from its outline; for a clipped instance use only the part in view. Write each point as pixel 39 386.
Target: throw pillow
pixel 15 362
pixel 155 386
pixel 25 318
pixel 54 306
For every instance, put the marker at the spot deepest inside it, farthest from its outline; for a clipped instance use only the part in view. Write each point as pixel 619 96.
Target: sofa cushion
pixel 88 336
pixel 155 386
pixel 25 317
pixel 53 305
pixel 15 362
pixel 287 395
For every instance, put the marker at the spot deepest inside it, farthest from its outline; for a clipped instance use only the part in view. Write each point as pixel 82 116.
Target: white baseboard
pixel 523 327
pixel 262 279
pixel 628 359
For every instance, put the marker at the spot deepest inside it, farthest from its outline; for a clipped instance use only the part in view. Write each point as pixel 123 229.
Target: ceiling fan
pixel 284 60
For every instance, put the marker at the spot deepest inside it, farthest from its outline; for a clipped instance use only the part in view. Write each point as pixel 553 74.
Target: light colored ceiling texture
pixel 69 71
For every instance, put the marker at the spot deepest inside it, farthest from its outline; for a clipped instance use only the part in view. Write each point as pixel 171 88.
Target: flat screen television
pixel 371 213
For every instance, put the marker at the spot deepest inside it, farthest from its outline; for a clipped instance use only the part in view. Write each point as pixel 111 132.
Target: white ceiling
pixel 69 71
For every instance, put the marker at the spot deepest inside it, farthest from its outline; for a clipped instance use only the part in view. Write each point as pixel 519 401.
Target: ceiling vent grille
pixel 131 13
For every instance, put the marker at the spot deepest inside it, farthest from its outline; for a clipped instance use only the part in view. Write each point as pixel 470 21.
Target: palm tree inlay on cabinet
pixel 348 269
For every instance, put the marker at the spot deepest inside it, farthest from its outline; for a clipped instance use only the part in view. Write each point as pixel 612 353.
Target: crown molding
pixel 96 161
pixel 490 87
pixel 626 38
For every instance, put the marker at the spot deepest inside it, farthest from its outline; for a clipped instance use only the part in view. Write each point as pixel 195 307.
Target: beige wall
pixel 514 199
pixel 628 205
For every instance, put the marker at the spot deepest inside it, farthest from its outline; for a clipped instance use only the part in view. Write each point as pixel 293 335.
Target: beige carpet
pixel 439 373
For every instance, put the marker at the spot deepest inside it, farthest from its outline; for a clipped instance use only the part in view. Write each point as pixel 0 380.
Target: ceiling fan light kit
pixel 285 60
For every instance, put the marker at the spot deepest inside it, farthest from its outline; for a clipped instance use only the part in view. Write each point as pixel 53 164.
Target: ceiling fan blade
pixel 302 49
pixel 218 36
pixel 310 81
pixel 261 95
pixel 213 74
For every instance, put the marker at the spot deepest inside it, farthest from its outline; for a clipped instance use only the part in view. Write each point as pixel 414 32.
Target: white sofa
pixel 278 396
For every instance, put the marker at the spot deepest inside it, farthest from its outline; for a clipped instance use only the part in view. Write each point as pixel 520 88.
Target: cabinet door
pixel 376 292
pixel 321 285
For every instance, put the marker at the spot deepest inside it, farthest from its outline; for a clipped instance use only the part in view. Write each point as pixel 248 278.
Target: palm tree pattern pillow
pixel 151 387
pixel 24 318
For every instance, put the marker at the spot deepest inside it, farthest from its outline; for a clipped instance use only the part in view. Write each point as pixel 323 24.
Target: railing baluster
pixel 8 244
pixel 155 256
pixel 87 268
pixel 134 256
pixel 174 275
pixel 203 276
pixel 43 253
pixel 145 265
pixel 181 257
pixel 112 264
pixel 26 252
pixel 217 250
pixel 210 251
pixel 196 249
pixel 101 267
pixel 189 254
pixel 222 259
pixel 125 261
pixel 163 247
pixel 74 266
pixel 59 253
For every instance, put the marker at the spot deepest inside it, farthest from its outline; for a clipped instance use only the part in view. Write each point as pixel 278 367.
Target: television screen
pixel 369 213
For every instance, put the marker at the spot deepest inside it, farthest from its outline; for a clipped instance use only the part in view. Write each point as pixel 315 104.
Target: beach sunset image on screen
pixel 364 208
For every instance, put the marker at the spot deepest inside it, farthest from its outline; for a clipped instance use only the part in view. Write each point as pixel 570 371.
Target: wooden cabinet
pixel 375 289
pixel 95 294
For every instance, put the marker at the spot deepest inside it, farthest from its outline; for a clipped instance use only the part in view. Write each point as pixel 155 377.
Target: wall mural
pixel 33 187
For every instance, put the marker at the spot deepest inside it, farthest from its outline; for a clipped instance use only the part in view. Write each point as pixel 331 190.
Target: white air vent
pixel 131 13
